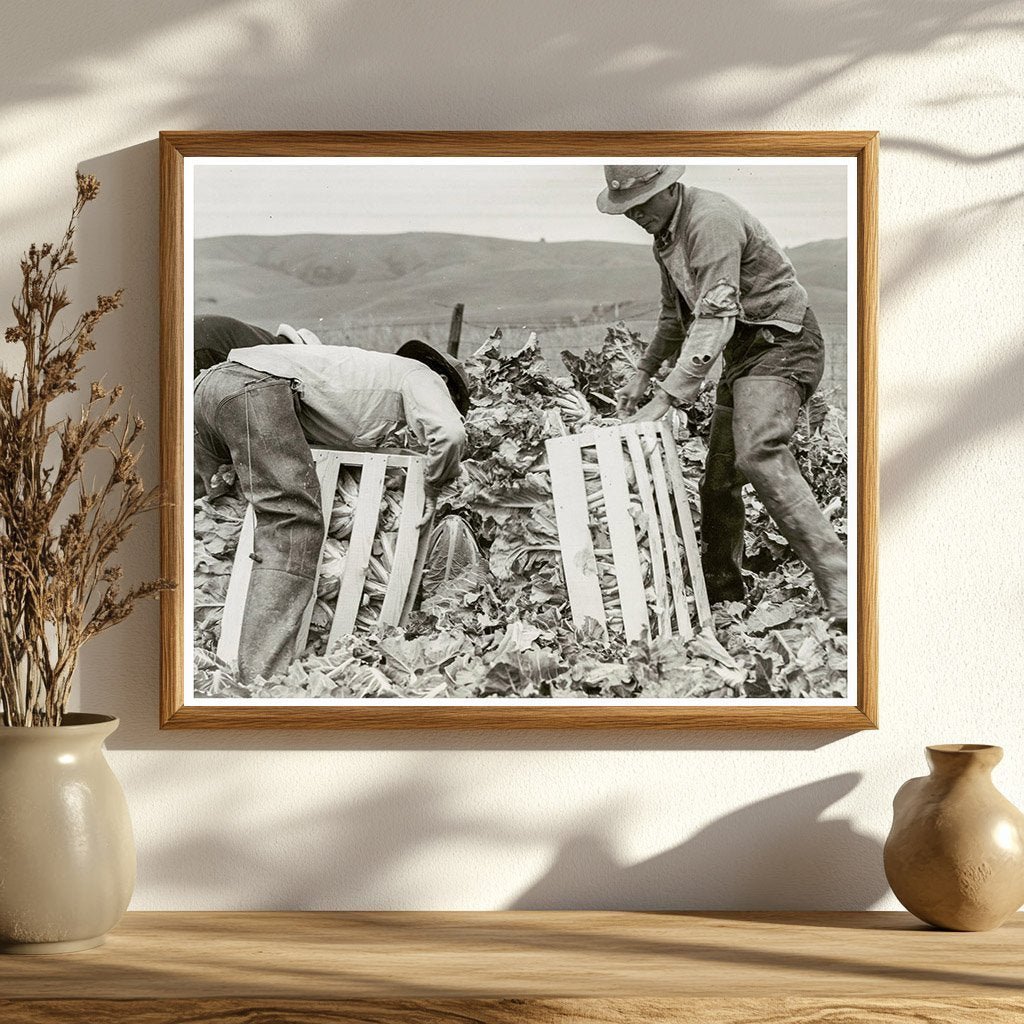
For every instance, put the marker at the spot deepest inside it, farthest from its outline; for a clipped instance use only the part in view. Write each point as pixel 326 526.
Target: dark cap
pixel 448 367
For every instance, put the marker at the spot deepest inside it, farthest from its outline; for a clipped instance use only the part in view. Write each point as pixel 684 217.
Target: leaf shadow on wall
pixel 534 64
pixel 958 156
pixel 418 843
pixel 940 242
pixel 990 404
pixel 301 56
pixel 362 846
pixel 776 854
pixel 985 404
pixel 381 847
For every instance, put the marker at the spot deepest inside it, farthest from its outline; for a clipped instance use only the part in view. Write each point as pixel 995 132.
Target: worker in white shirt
pixel 260 410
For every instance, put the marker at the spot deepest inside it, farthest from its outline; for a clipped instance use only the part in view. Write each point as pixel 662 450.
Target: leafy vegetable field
pixel 501 626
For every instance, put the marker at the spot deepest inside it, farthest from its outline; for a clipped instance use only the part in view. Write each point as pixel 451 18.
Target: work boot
pixel 813 540
pixel 764 417
pixel 274 609
pixel 722 514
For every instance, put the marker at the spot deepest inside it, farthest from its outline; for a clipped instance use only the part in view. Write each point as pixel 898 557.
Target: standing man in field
pixel 727 288
pixel 261 408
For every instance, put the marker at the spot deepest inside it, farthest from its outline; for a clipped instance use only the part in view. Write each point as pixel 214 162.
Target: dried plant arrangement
pixel 59 525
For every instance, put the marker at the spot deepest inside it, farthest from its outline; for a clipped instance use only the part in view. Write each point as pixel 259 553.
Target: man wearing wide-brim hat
pixel 728 289
pixel 261 409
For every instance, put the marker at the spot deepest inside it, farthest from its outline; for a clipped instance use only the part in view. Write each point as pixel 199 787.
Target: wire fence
pixel 554 336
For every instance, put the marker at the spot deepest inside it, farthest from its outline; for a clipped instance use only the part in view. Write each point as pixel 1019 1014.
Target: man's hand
pixel 628 396
pixel 429 509
pixel 222 481
pixel 653 410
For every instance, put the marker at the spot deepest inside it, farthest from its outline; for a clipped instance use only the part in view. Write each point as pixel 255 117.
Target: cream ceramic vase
pixel 955 855
pixel 67 855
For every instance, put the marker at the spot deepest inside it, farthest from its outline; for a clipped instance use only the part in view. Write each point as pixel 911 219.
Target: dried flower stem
pixel 57 586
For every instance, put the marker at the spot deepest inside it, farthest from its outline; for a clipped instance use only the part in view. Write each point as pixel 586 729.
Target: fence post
pixel 455 331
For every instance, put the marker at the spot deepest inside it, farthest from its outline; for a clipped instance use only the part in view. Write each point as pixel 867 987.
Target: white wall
pixel 750 820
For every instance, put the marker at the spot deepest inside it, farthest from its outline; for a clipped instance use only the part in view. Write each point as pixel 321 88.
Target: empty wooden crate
pixel 637 502
pixel 404 579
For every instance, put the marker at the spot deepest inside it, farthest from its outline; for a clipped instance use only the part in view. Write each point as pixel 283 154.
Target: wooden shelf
pixel 506 968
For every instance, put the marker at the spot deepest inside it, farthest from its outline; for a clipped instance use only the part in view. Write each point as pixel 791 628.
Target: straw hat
pixel 630 185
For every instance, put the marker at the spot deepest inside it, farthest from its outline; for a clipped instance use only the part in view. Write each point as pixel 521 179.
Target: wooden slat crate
pixel 404 580
pixel 659 488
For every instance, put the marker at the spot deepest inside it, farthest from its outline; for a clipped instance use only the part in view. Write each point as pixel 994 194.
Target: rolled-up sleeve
pixel 704 344
pixel 669 335
pixel 433 418
pixel 715 241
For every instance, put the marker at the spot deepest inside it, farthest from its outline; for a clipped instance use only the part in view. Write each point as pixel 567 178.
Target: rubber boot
pixel 722 516
pixel 274 607
pixel 764 417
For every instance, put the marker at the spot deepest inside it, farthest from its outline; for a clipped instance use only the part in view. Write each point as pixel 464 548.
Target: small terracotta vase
pixel 67 855
pixel 955 854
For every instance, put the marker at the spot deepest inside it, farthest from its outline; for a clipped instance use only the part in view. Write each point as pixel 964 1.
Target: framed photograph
pixel 519 430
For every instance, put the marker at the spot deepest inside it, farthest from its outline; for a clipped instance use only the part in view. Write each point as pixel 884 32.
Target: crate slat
pixel 328 461
pixel 238 587
pixel 569 495
pixel 645 489
pixel 622 531
pixel 360 545
pixel 659 486
pixel 328 465
pixel 672 552
pixel 689 535
pixel 413 499
pixel 418 565
pixel 400 460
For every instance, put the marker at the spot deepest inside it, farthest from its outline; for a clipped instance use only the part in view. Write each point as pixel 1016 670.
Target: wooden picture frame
pixel 859 711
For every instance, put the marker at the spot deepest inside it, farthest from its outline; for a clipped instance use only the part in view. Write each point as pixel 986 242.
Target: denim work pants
pixel 750 442
pixel 772 352
pixel 248 418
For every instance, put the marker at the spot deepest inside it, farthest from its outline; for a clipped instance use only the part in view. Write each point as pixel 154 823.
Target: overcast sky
pixel 799 202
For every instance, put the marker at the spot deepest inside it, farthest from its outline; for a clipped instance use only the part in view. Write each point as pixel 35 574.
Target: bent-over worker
pixel 262 408
pixel 728 288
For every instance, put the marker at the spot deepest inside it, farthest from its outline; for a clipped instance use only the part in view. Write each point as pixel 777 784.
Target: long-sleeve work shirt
pixel 351 398
pixel 718 262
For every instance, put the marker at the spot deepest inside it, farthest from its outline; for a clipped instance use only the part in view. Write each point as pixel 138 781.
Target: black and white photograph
pixel 519 430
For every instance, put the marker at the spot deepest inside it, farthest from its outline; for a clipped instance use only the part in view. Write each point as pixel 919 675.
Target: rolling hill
pixel 346 281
